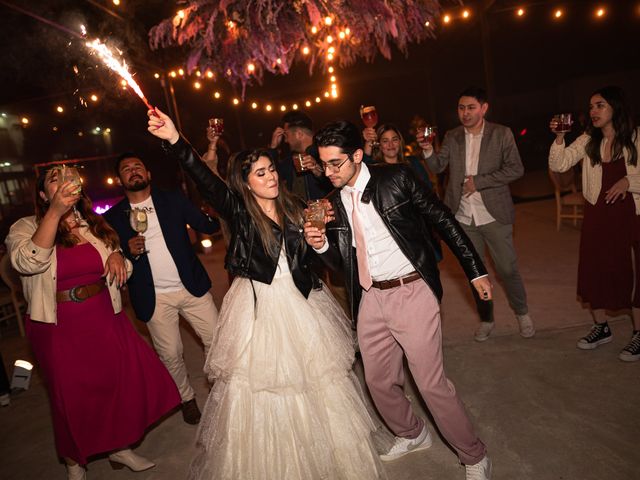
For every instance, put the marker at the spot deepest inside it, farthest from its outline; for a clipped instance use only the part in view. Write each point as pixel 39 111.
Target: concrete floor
pixel 546 410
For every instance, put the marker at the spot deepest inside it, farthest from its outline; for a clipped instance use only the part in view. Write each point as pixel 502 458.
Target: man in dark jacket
pixel 168 279
pixel 380 239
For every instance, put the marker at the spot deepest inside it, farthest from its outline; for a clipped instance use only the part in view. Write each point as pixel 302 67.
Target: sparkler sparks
pixel 119 66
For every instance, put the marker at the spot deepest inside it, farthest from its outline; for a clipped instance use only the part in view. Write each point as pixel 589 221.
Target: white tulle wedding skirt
pixel 285 403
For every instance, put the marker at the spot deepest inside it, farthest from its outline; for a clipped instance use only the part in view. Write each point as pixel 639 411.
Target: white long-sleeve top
pixel 562 158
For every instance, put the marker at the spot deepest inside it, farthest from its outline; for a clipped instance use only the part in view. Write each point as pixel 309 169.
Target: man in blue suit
pixel 168 279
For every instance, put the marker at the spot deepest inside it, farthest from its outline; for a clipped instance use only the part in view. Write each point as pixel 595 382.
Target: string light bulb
pixel 600 12
pixel 59 109
pixel 94 98
pixel 558 13
pixel 24 120
pixel 331 69
pixel 465 14
pixel 172 74
pixel 236 101
pixel 314 30
pixel 180 13
pixel 446 18
pixel 116 2
pixel 317 99
pixel 427 23
pixel 209 74
pixel 329 39
pixel 520 12
pixel 268 108
pixel 109 181
pixel 216 95
pixel 197 85
pixel 328 21
pixel 156 75
pixel 305 50
pixel 333 79
pixel 283 108
pixel 329 56
pixel 294 106
pixel 307 103
pixel 181 71
pixel 254 105
pixel 342 35
pixel 251 68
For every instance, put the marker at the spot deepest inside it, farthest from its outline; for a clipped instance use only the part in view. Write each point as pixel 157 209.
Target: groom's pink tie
pixel 361 245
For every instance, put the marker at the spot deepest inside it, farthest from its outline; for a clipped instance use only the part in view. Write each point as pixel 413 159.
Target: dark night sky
pixel 539 67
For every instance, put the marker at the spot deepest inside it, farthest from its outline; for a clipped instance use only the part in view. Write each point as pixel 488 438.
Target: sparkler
pixel 119 66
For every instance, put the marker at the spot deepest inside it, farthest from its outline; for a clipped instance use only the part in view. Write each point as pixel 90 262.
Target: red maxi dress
pixel 105 384
pixel 609 234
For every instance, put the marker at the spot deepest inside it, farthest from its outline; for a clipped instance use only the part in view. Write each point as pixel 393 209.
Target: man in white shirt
pixel 381 240
pixel 168 279
pixel 483 159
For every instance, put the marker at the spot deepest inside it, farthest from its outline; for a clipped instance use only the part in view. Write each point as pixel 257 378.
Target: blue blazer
pixel 174 212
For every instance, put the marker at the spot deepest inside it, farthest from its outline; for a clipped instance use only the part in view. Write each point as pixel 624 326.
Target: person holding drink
pixel 392 149
pixel 284 402
pixel 380 239
pixel 168 279
pixel 298 168
pixel 483 160
pixel 609 258
pixel 105 385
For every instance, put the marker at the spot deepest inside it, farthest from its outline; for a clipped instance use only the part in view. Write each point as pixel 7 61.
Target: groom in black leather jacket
pixel 380 239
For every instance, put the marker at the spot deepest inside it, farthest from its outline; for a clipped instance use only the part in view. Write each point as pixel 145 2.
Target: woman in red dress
pixel 609 264
pixel 105 384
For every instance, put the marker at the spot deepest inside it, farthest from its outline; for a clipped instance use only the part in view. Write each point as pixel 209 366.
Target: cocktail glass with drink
pixel 369 116
pixel 139 221
pixel 298 159
pixel 217 125
pixel 430 132
pixel 563 121
pixel 316 212
pixel 71 174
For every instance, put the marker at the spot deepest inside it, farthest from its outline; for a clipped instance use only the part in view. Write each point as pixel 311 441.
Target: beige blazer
pixel 499 165
pixel 38 268
pixel 562 158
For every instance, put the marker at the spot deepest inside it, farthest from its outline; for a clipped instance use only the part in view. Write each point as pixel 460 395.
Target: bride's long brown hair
pixel 287 205
pixel 98 226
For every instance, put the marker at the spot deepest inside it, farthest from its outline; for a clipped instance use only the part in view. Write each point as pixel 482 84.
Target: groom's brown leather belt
pixel 396 282
pixel 81 292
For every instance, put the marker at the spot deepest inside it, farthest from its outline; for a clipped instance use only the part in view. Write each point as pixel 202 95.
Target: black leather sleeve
pixel 439 216
pixel 212 188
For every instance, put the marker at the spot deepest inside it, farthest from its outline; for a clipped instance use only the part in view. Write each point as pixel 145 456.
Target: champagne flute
pixel 369 116
pixel 71 174
pixel 139 221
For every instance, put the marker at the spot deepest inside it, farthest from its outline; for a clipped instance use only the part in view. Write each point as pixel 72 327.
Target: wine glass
pixel 369 116
pixel 139 221
pixel 71 174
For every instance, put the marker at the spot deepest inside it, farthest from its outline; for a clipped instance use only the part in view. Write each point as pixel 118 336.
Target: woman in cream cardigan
pixel 609 263
pixel 105 384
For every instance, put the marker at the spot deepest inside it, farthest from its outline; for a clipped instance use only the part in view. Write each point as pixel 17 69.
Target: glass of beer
pixel 430 132
pixel 315 213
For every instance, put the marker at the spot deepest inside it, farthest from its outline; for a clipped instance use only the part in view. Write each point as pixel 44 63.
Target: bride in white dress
pixel 285 402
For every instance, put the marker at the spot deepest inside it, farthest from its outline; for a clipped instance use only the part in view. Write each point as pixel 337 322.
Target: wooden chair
pixel 15 304
pixel 571 204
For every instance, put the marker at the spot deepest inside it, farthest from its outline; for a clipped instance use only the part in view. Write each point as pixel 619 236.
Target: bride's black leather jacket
pixel 245 256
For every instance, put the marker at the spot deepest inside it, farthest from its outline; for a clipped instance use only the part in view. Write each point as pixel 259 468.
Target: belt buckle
pixel 79 294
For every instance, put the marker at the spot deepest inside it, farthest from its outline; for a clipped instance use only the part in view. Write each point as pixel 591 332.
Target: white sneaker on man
pixel 483 331
pixel 479 471
pixel 402 446
pixel 526 326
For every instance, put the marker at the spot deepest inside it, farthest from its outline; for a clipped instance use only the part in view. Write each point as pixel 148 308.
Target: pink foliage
pixel 225 36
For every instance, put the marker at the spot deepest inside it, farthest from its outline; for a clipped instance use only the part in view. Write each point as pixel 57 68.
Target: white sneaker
pixel 526 326
pixel 479 471
pixel 484 330
pixel 402 446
